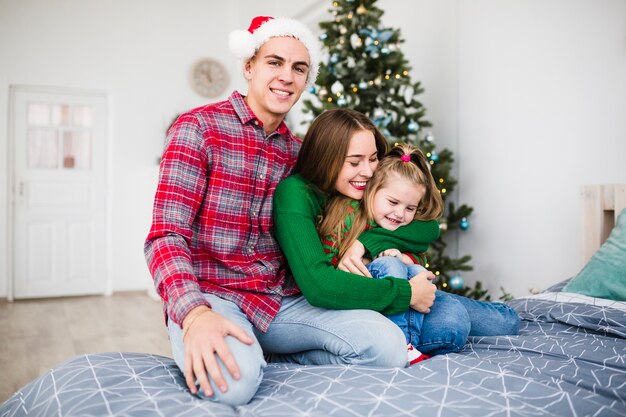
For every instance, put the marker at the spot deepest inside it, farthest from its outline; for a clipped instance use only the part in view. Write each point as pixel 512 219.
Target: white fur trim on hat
pixel 244 44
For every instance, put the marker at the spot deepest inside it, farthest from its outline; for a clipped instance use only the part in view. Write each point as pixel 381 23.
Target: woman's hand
pixel 203 336
pixel 422 291
pixel 352 260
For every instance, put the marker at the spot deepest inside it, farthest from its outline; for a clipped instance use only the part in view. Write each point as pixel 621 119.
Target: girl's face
pixel 358 166
pixel 394 205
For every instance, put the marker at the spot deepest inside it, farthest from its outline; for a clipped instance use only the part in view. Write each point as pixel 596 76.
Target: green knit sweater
pixel 297 204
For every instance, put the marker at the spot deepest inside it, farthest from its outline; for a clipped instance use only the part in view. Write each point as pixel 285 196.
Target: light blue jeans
pixel 390 266
pixel 452 317
pixel 302 334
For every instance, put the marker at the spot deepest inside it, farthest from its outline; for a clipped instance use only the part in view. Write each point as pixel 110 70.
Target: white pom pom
pixel 241 43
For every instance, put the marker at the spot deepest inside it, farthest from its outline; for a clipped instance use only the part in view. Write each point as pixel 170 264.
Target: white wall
pixel 542 111
pixel 529 95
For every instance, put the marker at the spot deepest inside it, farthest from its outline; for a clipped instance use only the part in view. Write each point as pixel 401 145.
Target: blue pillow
pixel 604 276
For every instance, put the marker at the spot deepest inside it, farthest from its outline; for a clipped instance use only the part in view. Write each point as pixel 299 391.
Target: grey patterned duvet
pixel 569 360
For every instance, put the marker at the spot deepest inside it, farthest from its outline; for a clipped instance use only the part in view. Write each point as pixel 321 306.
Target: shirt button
pixel 261 176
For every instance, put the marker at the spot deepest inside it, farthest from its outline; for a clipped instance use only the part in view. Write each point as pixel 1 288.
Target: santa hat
pixel 245 43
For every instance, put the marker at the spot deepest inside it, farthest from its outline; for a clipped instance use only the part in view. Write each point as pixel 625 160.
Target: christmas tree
pixel 364 69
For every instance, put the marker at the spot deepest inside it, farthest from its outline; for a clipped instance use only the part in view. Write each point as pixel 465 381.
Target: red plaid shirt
pixel 212 220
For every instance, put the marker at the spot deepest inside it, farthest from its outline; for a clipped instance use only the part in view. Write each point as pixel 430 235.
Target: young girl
pixel 401 190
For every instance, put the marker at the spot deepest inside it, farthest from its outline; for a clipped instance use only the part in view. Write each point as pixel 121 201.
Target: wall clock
pixel 209 77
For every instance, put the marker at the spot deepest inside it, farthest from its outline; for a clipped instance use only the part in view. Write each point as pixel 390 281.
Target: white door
pixel 59 193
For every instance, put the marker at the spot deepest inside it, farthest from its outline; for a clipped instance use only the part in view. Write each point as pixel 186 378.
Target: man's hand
pixel 352 260
pixel 204 332
pixel 422 291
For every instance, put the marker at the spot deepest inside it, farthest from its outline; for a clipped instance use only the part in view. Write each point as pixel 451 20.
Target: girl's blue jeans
pixel 452 317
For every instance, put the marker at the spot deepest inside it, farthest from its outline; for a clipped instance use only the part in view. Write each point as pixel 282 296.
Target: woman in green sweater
pixel 338 156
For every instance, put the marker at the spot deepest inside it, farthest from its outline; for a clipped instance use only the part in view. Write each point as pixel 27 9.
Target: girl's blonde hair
pixel 404 160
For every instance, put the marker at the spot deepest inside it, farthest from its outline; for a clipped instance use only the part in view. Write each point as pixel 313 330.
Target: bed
pixel 569 360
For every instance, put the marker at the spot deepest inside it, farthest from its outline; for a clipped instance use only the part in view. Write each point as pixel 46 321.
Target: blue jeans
pixel 302 334
pixel 452 317
pixel 390 266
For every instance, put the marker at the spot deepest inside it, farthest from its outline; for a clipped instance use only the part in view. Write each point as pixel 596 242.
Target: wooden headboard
pixel 601 206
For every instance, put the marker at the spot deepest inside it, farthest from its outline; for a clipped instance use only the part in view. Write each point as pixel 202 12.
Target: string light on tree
pixel 456 282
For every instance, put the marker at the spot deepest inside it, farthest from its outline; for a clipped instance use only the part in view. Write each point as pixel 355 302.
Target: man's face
pixel 276 78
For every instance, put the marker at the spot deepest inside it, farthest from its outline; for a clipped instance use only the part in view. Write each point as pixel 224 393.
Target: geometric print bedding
pixel 569 360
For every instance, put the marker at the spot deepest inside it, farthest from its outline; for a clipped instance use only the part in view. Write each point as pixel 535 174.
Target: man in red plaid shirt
pixel 210 248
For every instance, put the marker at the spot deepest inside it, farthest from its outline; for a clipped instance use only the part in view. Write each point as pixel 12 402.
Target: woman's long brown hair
pixel 326 144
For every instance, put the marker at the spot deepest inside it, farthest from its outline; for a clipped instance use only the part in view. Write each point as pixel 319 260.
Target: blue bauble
pixel 363 85
pixel 334 58
pixel 464 224
pixel 341 101
pixel 456 282
pixel 434 156
pixel 413 126
pixel 312 90
pixel 323 36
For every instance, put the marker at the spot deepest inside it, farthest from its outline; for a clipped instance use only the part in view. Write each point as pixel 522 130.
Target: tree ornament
pixel 413 126
pixel 356 41
pixel 363 85
pixel 323 36
pixel 361 10
pixel 429 137
pixel 341 101
pixel 434 156
pixel 408 94
pixel 456 282
pixel 464 224
pixel 378 113
pixel 312 89
pixel 336 88
pixel 443 226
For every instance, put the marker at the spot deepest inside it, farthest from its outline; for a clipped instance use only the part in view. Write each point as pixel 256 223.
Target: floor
pixel 40 334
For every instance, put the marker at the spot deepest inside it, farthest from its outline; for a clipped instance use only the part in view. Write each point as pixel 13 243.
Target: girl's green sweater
pixel 297 205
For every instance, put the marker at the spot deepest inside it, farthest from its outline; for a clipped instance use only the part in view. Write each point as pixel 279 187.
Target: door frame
pixel 11 186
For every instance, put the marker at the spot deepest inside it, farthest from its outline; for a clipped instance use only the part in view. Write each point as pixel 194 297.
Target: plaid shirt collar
pixel 246 115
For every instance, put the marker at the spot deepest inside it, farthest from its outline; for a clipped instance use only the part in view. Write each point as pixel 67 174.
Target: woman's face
pixel 358 166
